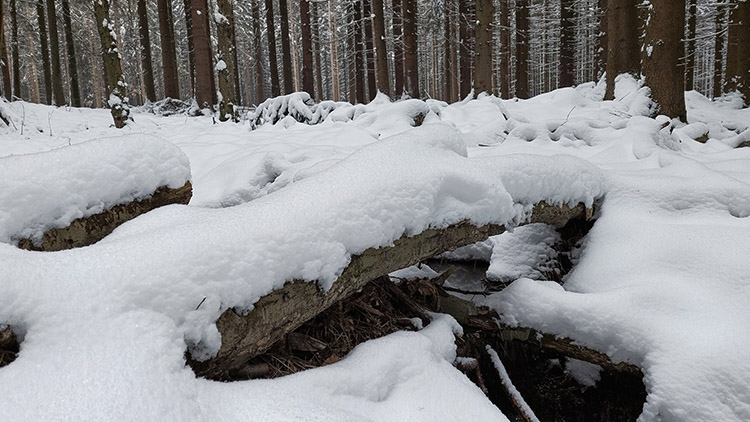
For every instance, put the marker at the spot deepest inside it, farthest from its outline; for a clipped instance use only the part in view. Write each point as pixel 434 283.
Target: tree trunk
pixel 75 91
pixel 116 85
pixel 168 50
pixel 719 24
pixel 225 60
pixel 286 50
pixel 738 51
pixel 505 72
pixel 14 49
pixel 46 66
pixel 54 39
pixel 191 46
pixel 522 49
pixel 690 47
pixel 369 50
pixel 602 37
pixel 623 52
pixel 662 67
pixel 4 68
pixel 315 34
pixel 308 76
pixel 398 49
pixel 567 68
pixel 359 56
pixel 335 82
pixel 485 10
pixel 258 54
pixel 148 68
pixel 381 53
pixel 465 24
pixel 272 54
pixel 204 74
pixel 411 64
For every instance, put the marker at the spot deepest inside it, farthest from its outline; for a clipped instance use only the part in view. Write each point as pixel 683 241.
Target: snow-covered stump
pixel 285 309
pixel 93 187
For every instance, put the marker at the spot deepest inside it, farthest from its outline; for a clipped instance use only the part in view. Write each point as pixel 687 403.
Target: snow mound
pixel 51 189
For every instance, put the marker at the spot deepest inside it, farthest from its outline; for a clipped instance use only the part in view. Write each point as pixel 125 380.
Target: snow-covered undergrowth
pixel 661 280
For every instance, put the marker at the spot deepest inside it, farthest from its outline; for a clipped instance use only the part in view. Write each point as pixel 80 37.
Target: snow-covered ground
pixel 662 280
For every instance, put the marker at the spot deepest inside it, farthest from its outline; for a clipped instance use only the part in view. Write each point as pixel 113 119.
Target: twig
pixel 521 406
pixel 199 305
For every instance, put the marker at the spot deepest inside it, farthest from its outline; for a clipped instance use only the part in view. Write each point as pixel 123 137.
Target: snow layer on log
pixel 51 189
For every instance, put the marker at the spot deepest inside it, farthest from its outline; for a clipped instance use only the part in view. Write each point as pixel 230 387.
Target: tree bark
pixel 623 52
pixel 204 74
pixel 602 37
pixel 737 76
pixel 46 66
pixel 286 50
pixel 14 50
pixel 381 53
pixel 662 67
pixel 359 56
pixel 505 69
pixel 285 309
pixel 369 50
pixel 522 49
pixel 690 46
pixel 272 54
pixel 398 48
pixel 148 68
pixel 258 54
pixel 191 46
pixel 4 67
pixel 168 50
pixel 75 91
pixel 116 85
pixel 225 63
pixel 54 39
pixel 719 23
pixel 308 76
pixel 411 57
pixel 465 25
pixel 485 10
pixel 567 69
pixel 315 34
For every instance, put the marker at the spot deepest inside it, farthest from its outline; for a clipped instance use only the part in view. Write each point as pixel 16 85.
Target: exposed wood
pixel 88 230
pixel 282 311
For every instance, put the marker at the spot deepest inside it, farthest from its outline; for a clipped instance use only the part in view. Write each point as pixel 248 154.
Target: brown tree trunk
pixel 258 54
pixel 690 46
pixel 75 92
pixel 719 24
pixel 359 56
pixel 308 76
pixel 14 49
pixel 411 64
pixel 4 68
pixel 54 39
pixel 46 66
pixel 662 53
pixel 602 37
pixel 738 51
pixel 191 46
pixel 204 74
pixel 226 64
pixel 623 52
pixel 168 51
pixel 117 87
pixel 273 64
pixel 485 10
pixel 369 50
pixel 567 70
pixel 286 50
pixel 381 54
pixel 465 25
pixel 505 72
pixel 398 49
pixel 148 68
pixel 450 54
pixel 522 49
pixel 335 82
pixel 314 24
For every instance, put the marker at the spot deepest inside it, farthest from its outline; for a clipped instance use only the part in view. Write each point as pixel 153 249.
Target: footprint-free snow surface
pixel 662 280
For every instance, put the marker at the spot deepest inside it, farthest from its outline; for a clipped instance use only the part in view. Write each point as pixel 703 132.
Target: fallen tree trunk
pixel 284 310
pixel 88 230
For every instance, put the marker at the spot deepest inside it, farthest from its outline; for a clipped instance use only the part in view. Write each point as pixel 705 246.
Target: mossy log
pixel 284 310
pixel 88 230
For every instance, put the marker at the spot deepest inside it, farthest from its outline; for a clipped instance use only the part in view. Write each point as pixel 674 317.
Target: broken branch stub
pixel 285 309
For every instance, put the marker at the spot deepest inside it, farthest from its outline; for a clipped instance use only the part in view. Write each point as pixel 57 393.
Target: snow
pixel 661 280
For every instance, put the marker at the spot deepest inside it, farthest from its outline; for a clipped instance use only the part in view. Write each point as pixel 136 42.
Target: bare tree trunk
pixel 14 49
pixel 257 54
pixel 4 68
pixel 567 68
pixel 308 76
pixel 381 54
pixel 485 10
pixel 522 48
pixel 369 50
pixel 623 52
pixel 398 48
pixel 273 64
pixel 117 87
pixel 286 50
pixel 465 24
pixel 148 68
pixel 225 64
pixel 690 47
pixel 505 72
pixel 54 39
pixel 359 57
pixel 602 36
pixel 168 50
pixel 46 66
pixel 450 54
pixel 96 80
pixel 411 64
pixel 191 45
pixel 315 34
pixel 334 54
pixel 738 51
pixel 719 24
pixel 663 48
pixel 75 92
pixel 203 70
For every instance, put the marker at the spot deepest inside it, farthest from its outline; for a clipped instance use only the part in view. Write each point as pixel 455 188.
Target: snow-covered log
pixel 285 309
